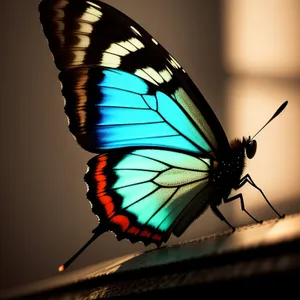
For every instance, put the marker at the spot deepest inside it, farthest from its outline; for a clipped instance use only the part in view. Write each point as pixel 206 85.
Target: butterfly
pixel 162 156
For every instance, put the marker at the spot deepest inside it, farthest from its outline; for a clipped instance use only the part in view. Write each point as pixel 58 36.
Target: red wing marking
pixel 122 221
pixel 108 204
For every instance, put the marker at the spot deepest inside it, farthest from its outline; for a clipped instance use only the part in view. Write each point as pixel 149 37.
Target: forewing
pixel 121 110
pixel 86 34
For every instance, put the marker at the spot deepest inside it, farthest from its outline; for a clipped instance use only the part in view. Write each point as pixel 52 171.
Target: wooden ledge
pixel 254 258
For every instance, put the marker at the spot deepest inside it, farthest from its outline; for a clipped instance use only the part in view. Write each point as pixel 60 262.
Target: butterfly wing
pixel 85 34
pixel 123 111
pixel 140 194
pixel 125 93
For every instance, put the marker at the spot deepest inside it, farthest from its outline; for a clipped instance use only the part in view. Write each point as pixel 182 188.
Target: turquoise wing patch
pixel 121 110
pixel 151 188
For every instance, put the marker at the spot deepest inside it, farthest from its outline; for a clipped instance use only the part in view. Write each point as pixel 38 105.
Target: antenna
pixel 278 111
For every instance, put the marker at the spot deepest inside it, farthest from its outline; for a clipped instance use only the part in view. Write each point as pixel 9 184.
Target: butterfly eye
pixel 251 148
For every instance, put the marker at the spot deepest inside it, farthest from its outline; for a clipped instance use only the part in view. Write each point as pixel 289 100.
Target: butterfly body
pixel 162 156
pixel 229 169
pixel 225 176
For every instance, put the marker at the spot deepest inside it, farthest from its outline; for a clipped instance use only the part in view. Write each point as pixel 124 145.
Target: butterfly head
pixel 250 144
pixel 250 147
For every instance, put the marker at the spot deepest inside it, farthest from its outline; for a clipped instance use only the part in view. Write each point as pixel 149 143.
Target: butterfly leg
pixel 248 179
pixel 240 196
pixel 221 216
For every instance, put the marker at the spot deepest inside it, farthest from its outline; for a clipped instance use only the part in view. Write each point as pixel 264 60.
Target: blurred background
pixel 242 54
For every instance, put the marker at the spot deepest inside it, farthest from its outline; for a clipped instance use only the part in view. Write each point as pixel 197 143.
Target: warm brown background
pixel 44 214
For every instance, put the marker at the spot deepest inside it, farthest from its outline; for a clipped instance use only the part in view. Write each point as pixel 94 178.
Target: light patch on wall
pixel 262 37
pixel 251 103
